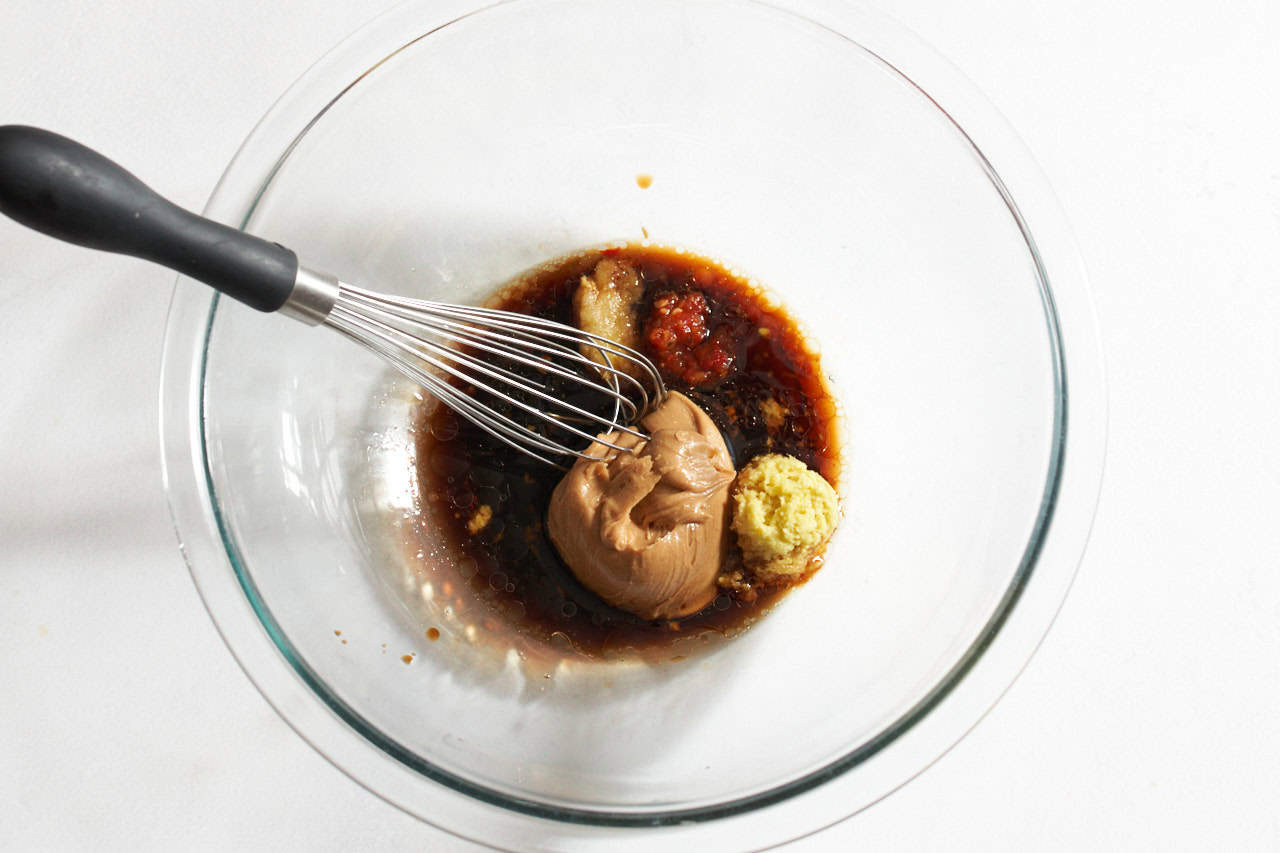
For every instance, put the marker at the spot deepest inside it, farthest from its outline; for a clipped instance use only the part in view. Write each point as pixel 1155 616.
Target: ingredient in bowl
pixel 783 513
pixel 647 530
pixel 605 304
pixel 680 343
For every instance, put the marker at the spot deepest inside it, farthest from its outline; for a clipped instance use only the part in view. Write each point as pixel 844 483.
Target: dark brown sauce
pixel 772 399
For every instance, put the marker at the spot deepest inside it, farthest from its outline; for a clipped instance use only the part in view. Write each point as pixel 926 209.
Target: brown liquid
pixel 510 563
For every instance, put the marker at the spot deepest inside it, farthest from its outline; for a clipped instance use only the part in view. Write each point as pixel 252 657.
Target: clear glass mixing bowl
pixel 449 146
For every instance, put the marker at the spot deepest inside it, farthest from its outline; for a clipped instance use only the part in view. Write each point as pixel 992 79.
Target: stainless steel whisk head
pixel 507 372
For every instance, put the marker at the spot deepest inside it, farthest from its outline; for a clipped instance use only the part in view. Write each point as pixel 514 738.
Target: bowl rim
pixel 816 800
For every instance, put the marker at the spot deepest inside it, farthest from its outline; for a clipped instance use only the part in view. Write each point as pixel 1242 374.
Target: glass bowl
pixel 812 145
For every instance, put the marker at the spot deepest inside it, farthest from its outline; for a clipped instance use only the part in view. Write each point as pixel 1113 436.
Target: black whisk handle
pixel 63 189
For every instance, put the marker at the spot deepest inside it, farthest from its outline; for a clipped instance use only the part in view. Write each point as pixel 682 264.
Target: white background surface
pixel 1149 718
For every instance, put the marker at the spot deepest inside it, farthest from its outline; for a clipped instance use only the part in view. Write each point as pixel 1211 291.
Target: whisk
pixel 523 380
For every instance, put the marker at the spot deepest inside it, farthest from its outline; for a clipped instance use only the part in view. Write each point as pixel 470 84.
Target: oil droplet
pixel 444 429
pixel 433 634
pixel 644 181
pixel 408 659
pixel 337 633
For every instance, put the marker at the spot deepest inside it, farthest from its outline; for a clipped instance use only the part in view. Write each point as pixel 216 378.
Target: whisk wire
pixel 490 343
pixel 422 350
pixel 451 350
pixel 410 308
pixel 519 437
pixel 437 315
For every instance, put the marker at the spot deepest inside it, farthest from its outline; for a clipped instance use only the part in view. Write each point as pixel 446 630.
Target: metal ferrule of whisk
pixel 495 367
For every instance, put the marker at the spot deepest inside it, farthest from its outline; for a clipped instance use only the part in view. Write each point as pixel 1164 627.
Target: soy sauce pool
pixel 756 377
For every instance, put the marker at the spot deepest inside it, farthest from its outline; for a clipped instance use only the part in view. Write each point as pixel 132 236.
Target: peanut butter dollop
pixel 647 529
